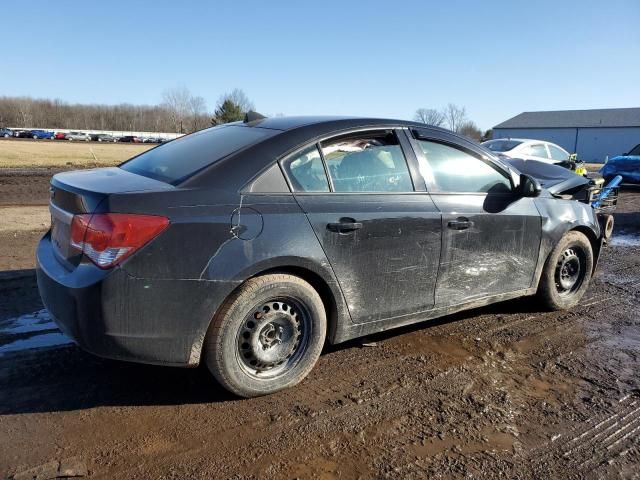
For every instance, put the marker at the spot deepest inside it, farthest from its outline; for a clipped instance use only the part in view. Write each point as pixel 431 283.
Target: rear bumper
pixel 114 315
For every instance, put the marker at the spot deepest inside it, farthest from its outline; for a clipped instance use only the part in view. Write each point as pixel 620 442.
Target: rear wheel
pixel 567 272
pixel 267 336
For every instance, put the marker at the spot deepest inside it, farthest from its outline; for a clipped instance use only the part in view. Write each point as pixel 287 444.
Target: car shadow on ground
pixel 67 378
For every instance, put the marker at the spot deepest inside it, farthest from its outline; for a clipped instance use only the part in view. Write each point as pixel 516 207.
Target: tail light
pixel 108 238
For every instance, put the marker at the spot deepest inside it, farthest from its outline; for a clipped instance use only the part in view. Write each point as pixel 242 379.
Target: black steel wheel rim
pixel 570 270
pixel 273 337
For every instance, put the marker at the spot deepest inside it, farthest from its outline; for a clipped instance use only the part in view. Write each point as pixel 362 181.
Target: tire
pixel 35 137
pixel 267 336
pixel 567 272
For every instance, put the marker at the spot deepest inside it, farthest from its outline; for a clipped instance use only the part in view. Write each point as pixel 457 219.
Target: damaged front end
pixel 568 185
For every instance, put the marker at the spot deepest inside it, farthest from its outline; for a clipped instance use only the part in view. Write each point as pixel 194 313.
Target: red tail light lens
pixel 109 238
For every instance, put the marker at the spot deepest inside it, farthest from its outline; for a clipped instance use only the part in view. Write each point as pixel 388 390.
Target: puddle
pixel 30 322
pixel 625 240
pixel 35 323
pixel 37 341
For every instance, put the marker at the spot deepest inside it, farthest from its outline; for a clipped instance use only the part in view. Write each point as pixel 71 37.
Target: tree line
pixel 452 117
pixel 180 111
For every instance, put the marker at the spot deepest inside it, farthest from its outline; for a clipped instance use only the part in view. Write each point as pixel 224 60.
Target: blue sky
pixel 344 57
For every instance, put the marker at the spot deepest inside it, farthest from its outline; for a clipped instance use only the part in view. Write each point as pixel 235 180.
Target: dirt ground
pixel 506 390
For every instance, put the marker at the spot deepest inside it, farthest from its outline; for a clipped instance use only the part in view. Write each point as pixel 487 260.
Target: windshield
pixel 172 162
pixel 635 150
pixel 501 145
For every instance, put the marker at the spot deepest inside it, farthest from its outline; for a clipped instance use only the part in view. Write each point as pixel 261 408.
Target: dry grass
pixel 52 153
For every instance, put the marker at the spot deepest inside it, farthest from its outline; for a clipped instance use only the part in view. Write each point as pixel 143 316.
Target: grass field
pixel 61 154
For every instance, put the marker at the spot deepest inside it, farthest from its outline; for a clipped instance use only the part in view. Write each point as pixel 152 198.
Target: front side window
pixel 448 169
pixel 367 162
pixel 306 171
pixel 558 154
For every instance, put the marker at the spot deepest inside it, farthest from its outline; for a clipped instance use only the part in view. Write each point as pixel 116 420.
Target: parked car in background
pixel 627 166
pixel 527 149
pixel 22 133
pixel 59 136
pixel 107 138
pixel 244 246
pixel 6 132
pixel 129 139
pixel 41 134
pixel 78 136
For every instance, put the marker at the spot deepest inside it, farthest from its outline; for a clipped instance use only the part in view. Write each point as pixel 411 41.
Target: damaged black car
pixel 248 246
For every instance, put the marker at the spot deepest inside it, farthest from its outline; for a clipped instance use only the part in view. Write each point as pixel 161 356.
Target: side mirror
pixel 529 186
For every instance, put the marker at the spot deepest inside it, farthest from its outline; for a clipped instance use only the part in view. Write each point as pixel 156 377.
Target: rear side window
pixel 558 154
pixel 538 151
pixel 448 169
pixel 306 171
pixel 176 160
pixel 367 162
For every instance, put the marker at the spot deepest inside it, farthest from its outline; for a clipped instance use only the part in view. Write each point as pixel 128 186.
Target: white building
pixel 593 134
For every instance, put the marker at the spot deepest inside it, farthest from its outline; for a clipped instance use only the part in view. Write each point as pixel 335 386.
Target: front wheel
pixel 567 272
pixel 267 336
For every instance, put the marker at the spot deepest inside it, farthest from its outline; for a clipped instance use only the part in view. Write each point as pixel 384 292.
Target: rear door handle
pixel 460 223
pixel 344 225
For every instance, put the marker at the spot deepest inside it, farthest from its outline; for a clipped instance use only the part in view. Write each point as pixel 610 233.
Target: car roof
pixel 523 140
pixel 329 122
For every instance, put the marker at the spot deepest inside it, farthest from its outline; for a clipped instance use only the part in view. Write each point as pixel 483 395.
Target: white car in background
pixel 527 149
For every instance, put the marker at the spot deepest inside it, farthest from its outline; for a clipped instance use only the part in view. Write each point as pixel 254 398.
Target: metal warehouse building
pixel 592 134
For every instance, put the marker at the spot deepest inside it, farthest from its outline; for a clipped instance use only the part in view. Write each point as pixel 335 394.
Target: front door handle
pixel 460 223
pixel 344 225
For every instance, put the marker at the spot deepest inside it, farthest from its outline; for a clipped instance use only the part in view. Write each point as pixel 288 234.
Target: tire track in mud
pixel 596 445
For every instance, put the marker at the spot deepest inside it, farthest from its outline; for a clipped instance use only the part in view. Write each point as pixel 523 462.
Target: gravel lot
pixel 502 390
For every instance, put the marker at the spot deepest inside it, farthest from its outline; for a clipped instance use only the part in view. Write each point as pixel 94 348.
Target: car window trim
pixel 443 139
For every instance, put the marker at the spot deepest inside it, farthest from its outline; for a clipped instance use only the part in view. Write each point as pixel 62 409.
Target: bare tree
pixel 429 116
pixel 454 116
pixel 176 100
pixel 24 110
pixel 471 130
pixel 239 98
pixel 198 111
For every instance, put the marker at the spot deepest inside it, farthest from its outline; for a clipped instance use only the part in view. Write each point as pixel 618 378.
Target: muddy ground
pixel 506 390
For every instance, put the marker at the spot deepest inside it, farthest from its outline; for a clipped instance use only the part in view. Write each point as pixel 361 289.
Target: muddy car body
pixel 267 236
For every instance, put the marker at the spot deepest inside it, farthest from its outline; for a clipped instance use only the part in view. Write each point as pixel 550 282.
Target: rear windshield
pixel 635 150
pixel 181 158
pixel 501 145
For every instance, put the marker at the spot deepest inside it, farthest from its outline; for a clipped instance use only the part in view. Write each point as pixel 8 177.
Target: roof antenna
pixel 252 116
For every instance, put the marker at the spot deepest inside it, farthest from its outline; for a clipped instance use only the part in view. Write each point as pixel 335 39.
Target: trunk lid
pixel 557 180
pixel 84 191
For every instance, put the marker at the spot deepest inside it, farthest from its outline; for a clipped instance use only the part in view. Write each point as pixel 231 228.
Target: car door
pixel 491 235
pixel 381 236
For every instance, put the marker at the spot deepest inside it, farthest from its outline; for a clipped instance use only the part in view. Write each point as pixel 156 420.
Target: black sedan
pixel 248 245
